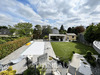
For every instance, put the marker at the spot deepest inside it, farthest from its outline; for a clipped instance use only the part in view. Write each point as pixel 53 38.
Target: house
pixel 62 37
pixel 5 32
pixel 57 37
pixel 70 36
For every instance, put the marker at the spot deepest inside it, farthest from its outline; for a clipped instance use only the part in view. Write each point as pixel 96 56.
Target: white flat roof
pixel 57 35
pixel 36 48
pixel 70 33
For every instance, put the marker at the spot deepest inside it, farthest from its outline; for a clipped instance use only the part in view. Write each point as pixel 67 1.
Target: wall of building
pixel 81 38
pixel 71 38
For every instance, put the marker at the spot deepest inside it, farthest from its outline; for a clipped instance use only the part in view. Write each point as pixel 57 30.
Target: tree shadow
pixel 82 48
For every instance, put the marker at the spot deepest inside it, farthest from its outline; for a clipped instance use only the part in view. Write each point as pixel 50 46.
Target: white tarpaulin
pixel 17 60
pixel 85 69
pixel 36 48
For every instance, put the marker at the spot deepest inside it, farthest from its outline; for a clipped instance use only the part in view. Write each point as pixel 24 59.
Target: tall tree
pixel 4 27
pixel 69 30
pixel 97 31
pixel 46 30
pixel 23 29
pixel 62 27
pixel 37 32
pixel 62 30
pixel 76 30
pixel 73 30
pixel 79 29
pixel 90 33
pixel 11 29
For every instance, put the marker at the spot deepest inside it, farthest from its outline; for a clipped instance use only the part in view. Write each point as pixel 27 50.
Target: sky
pixel 50 12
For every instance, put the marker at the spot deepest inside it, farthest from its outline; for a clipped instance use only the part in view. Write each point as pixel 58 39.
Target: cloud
pixel 19 11
pixel 5 20
pixel 52 12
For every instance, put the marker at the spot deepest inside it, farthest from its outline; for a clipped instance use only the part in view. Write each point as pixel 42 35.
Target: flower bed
pixel 11 46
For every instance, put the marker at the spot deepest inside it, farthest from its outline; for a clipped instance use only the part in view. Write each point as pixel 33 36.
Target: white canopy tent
pixel 36 48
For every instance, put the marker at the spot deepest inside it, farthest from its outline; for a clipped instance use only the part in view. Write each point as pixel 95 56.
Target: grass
pixel 64 49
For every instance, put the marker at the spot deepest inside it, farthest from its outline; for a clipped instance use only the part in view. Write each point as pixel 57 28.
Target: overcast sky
pixel 50 12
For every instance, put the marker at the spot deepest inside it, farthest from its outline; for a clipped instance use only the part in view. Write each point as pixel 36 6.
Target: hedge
pixel 11 46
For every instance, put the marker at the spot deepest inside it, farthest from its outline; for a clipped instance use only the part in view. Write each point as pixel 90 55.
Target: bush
pixel 9 71
pixel 45 37
pixel 8 38
pixel 2 41
pixel 11 46
pixel 39 70
pixel 73 52
pixel 90 58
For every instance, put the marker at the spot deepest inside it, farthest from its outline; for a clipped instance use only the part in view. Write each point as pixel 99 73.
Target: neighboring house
pixel 55 31
pixel 70 36
pixel 5 32
pixel 62 37
pixel 57 37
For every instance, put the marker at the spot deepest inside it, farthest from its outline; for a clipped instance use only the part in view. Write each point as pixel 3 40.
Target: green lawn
pixel 64 49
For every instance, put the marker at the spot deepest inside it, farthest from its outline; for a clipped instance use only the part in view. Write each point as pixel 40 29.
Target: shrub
pixel 39 70
pixel 45 37
pixel 90 58
pixel 9 71
pixel 50 58
pixel 73 52
pixel 11 46
pixel 2 41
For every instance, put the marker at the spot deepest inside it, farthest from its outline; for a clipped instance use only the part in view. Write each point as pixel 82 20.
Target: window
pixel 72 36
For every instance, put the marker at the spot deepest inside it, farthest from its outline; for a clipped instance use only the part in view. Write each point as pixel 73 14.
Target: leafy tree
pixel 11 29
pixel 62 30
pixel 97 31
pixel 62 27
pixel 73 30
pixel 69 30
pixel 79 29
pixel 46 30
pixel 23 29
pixel 4 27
pixel 37 32
pixel 90 33
pixel 55 28
pixel 76 30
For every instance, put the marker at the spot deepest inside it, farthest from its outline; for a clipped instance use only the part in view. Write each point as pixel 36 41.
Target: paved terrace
pixel 20 67
pixel 14 55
